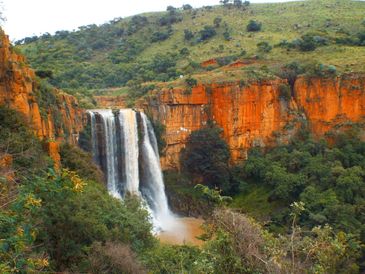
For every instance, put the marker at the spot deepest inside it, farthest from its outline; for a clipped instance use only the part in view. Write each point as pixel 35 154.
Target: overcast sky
pixel 34 17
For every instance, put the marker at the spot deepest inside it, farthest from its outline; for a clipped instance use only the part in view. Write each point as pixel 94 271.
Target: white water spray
pixel 125 159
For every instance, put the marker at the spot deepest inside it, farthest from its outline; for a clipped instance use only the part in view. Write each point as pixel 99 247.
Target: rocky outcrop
pixel 248 115
pixel 256 114
pixel 54 120
pixel 331 103
pixel 114 102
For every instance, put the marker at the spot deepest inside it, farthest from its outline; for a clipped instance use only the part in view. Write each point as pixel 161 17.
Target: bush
pixel 284 92
pixel 188 35
pixel 187 7
pixel 75 159
pixel 207 33
pixel 206 157
pixel 307 43
pixel 254 26
pixel 114 257
pixel 217 22
pixel 264 47
pixel 184 52
pixel 160 36
pixel 191 82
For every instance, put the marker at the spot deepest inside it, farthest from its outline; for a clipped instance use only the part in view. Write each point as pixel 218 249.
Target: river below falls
pixel 191 228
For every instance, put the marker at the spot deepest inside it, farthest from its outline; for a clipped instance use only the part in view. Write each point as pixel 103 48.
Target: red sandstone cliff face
pixel 248 115
pixel 253 115
pixel 329 103
pixel 60 121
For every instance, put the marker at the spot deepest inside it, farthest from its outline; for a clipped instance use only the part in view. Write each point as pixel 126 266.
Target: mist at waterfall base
pixel 124 145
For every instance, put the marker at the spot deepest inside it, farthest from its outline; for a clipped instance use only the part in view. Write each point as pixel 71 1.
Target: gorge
pixel 243 124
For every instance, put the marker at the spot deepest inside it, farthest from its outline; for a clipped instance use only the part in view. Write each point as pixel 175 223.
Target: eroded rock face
pixel 255 115
pixel 330 103
pixel 114 102
pixel 248 115
pixel 61 120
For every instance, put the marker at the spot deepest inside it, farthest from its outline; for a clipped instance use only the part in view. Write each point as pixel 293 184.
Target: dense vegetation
pixel 66 221
pixel 325 178
pixel 162 46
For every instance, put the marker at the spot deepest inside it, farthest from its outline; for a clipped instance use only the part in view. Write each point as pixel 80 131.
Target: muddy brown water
pixel 190 229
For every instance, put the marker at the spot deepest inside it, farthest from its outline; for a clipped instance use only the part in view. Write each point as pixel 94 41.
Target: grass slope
pixel 121 52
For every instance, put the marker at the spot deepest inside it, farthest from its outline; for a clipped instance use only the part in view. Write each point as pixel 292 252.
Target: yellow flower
pixel 31 201
pixel 20 231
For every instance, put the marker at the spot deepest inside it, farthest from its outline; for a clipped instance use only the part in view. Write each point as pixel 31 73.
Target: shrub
pixel 184 52
pixel 114 257
pixel 75 159
pixel 191 82
pixel 307 43
pixel 187 7
pixel 207 33
pixel 264 47
pixel 160 36
pixel 284 92
pixel 217 22
pixel 188 35
pixel 254 26
pixel 227 35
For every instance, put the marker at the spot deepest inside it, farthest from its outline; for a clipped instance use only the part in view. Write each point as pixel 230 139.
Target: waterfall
pixel 128 124
pixel 125 146
pixel 154 189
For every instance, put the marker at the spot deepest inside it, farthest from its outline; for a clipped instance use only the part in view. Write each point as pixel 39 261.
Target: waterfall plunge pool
pixel 124 145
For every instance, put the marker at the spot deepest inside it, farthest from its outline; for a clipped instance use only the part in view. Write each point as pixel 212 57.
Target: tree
pixel 187 7
pixel 237 3
pixel 254 26
pixel 188 35
pixel 207 33
pixel 307 43
pixel 206 156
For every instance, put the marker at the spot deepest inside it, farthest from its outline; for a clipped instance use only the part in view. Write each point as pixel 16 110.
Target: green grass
pixel 255 202
pixel 77 61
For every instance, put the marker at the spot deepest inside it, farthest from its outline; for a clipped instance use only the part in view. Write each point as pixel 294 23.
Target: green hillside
pixel 164 45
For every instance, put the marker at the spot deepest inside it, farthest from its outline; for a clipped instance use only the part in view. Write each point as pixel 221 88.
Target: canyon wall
pixel 248 115
pixel 53 115
pixel 331 103
pixel 256 114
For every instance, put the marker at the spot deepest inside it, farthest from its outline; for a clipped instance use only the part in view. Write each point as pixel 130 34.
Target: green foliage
pixel 264 47
pixel 110 55
pixel 284 92
pixel 188 35
pixel 254 26
pixel 18 140
pixel 206 156
pixel 191 82
pixel 75 159
pixel 213 195
pixel 206 33
pixel 65 215
pixel 328 179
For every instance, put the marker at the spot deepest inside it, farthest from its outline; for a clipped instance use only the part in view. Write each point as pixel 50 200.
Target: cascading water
pixel 131 165
pixel 128 124
pixel 154 190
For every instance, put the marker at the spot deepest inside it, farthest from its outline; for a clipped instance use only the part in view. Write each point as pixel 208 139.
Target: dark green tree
pixel 206 156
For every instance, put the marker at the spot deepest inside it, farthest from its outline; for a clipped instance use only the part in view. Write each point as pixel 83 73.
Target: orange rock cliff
pixel 61 120
pixel 256 114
